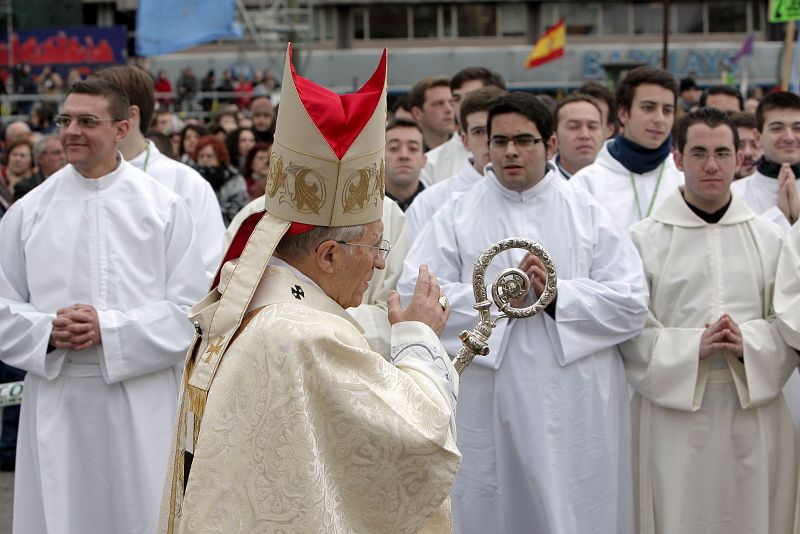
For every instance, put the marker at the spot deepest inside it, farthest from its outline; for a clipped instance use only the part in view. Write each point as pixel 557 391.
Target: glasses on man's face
pixel 722 156
pixel 520 141
pixel 86 122
pixel 384 247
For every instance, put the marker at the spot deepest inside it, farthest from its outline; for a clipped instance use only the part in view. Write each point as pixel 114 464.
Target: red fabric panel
pixel 340 118
pixel 243 234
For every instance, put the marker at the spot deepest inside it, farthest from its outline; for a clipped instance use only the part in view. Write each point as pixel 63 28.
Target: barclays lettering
pixel 696 63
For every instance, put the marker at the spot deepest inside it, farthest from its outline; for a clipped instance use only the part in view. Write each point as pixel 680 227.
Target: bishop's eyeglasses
pixel 384 246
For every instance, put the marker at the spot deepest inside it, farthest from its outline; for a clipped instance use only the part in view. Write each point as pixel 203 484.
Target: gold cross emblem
pixel 214 348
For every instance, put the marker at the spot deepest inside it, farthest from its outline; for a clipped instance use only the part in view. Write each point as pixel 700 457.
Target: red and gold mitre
pixel 327 166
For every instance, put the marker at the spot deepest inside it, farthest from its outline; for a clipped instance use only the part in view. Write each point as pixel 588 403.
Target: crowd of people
pixel 657 393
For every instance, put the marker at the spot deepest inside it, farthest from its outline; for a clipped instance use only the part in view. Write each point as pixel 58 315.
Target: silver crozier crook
pixel 510 284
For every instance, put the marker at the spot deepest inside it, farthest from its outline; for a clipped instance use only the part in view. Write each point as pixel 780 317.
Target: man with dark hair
pixel 178 177
pixel 580 133
pixel 723 97
pixel 448 159
pixel 634 173
pixel 552 389
pixel 404 161
pixel 604 99
pixel 748 146
pixel 432 107
pixel 690 94
pixel 98 268
pixel 772 190
pixel 474 112
pixel 710 364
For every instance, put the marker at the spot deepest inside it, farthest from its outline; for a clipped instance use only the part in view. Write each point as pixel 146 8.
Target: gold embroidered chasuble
pixel 308 430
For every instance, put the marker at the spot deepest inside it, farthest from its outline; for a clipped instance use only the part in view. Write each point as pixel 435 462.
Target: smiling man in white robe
pixel 289 422
pixel 98 267
pixel 714 441
pixel 543 421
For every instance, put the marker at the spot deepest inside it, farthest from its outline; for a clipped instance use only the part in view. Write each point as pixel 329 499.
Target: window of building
pixel 328 20
pixel 615 19
pixel 388 22
pixel 476 20
pixel 424 16
pixel 648 18
pixel 513 20
pixel 687 18
pixel 359 24
pixel 580 18
pixel 727 17
pixel 757 9
pixel 447 20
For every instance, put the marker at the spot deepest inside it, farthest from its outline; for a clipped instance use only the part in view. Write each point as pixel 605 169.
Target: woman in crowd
pixel 213 163
pixel 17 164
pixel 256 167
pixel 239 142
pixel 189 136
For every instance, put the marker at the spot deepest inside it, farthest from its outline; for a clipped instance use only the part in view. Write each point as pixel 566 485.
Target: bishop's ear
pixel 326 255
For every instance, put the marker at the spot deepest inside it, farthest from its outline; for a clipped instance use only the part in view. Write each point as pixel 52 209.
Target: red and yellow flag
pixel 549 47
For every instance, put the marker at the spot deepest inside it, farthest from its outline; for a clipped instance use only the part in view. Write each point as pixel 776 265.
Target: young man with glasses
pixel 98 268
pixel 715 444
pixel 543 421
pixel 634 173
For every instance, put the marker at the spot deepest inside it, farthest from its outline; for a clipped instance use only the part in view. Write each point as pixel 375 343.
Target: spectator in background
pixel 404 161
pixel 42 120
pixel 723 97
pixel 189 136
pixel 48 156
pixel 227 121
pixel 17 163
pixel 263 114
pixel 226 86
pixel 163 90
pixel 604 99
pixel 23 84
pixel 256 168
pixel 74 75
pixel 401 109
pixel 187 89
pixel 749 146
pixel 162 142
pixel 239 142
pixel 244 92
pixel 208 85
pixel 213 164
pixel 432 108
pixel 690 94
pixel 16 130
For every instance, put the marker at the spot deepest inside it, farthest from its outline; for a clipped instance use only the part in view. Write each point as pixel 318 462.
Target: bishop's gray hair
pixel 297 246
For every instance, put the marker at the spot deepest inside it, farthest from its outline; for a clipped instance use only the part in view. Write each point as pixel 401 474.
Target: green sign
pixel 784 10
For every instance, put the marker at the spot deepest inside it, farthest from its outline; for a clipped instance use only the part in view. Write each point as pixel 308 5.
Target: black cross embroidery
pixel 297 291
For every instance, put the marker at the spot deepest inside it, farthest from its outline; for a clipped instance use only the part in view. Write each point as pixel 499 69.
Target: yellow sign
pixel 784 10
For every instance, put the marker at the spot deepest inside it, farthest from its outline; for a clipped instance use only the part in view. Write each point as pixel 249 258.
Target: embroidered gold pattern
pixel 214 348
pixel 357 195
pixel 276 177
pixel 309 188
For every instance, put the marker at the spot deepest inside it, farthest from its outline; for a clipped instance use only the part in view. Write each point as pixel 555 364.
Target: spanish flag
pixel 549 47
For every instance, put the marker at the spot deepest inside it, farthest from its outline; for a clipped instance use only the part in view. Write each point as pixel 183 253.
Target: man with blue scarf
pixel 634 173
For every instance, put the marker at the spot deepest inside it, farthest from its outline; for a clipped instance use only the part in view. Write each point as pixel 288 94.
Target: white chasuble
pixel 308 430
pixel 95 427
pixel 714 441
pixel 543 421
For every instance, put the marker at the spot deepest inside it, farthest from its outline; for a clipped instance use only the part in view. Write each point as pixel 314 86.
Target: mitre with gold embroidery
pixel 327 164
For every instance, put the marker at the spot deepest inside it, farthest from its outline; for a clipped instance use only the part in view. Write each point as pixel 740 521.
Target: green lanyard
pixel 147 157
pixel 655 193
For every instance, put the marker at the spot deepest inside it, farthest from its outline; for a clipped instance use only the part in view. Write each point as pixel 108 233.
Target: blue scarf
pixel 637 158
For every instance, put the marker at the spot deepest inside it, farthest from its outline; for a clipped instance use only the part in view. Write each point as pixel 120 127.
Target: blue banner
pixel 164 26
